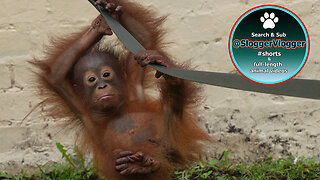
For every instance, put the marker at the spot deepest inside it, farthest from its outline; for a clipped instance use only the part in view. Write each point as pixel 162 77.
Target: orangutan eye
pixel 106 74
pixel 91 79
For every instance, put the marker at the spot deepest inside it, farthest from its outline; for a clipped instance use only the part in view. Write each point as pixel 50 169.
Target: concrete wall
pixel 265 125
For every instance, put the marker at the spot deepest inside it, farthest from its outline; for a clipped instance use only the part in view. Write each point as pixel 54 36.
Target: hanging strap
pixel 296 87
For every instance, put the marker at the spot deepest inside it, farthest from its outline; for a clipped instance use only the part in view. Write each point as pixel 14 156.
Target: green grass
pixel 57 171
pixel 288 169
pixel 74 168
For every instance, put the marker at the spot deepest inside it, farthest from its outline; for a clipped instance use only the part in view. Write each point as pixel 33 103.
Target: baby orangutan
pixel 130 134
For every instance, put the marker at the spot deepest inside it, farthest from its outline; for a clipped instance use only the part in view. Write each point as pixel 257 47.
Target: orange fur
pixel 172 116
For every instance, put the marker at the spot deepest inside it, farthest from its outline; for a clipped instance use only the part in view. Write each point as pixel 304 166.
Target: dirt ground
pixel 250 126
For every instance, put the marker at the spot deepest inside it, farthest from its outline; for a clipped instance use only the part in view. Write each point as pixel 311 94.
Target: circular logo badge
pixel 269 44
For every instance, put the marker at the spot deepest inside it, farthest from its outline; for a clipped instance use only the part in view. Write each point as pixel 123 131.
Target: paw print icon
pixel 269 21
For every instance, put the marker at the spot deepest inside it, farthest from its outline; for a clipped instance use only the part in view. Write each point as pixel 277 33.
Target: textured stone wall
pixel 250 126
